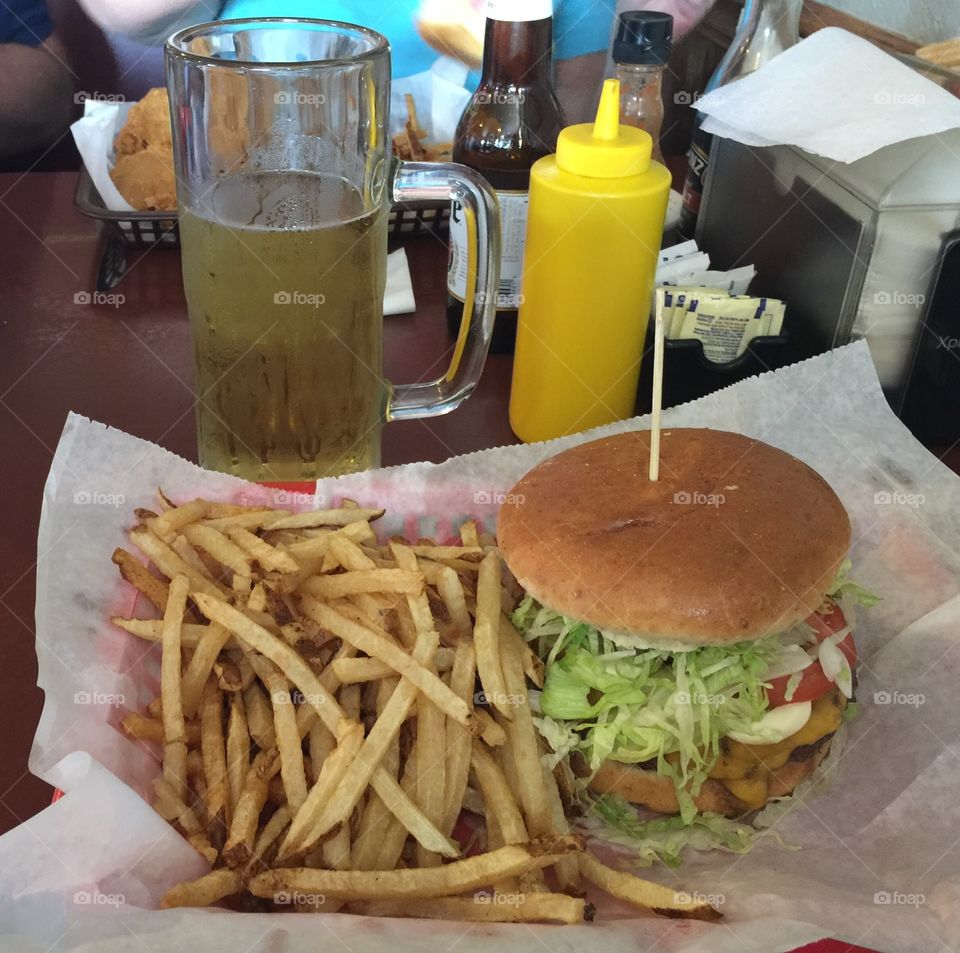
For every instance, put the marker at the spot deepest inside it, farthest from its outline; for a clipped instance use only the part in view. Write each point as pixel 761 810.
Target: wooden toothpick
pixel 657 386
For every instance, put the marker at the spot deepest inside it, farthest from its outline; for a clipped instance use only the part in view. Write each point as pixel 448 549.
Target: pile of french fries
pixel 410 143
pixel 333 710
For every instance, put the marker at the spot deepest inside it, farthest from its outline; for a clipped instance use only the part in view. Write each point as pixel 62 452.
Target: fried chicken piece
pixel 148 124
pixel 145 179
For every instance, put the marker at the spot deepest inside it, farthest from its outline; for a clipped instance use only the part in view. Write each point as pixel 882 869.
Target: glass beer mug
pixel 285 181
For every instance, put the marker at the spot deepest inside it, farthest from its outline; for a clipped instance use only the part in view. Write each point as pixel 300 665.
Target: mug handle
pixel 450 181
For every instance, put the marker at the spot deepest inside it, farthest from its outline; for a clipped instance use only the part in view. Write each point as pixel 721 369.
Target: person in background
pixel 36 85
pixel 418 30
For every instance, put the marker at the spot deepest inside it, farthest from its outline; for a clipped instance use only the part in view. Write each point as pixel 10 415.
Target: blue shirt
pixel 579 26
pixel 24 21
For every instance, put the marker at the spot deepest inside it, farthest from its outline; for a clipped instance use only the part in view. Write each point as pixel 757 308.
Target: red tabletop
pixel 131 366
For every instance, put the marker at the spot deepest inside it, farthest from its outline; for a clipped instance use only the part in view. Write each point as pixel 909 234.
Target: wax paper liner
pixel 879 863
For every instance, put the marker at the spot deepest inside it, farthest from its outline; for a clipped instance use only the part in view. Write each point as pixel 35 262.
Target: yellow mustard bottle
pixel 594 227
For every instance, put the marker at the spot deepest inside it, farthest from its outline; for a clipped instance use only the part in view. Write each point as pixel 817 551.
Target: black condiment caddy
pixel 689 374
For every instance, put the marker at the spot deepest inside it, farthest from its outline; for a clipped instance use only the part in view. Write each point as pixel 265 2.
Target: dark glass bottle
pixel 765 28
pixel 513 119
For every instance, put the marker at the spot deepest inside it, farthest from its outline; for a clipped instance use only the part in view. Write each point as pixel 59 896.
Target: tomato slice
pixel 813 683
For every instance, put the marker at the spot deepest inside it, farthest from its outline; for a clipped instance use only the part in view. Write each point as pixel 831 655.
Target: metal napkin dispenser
pixel 856 250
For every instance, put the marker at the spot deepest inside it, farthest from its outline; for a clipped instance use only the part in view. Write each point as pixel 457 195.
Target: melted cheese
pixel 745 769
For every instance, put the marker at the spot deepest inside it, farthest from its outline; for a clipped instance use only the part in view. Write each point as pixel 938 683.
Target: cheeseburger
pixel 698 661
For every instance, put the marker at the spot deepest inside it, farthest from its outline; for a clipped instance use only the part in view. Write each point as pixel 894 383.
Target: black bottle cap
pixel 643 38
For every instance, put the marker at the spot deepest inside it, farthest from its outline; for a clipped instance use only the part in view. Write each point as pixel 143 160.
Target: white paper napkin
pixel 94 133
pixel 833 94
pixel 439 95
pixel 398 295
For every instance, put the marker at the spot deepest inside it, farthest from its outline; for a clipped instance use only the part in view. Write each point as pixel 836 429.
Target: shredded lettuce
pixel 561 738
pixel 632 705
pixel 663 839
pixel 845 588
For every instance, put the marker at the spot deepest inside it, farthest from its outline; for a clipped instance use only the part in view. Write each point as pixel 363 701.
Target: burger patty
pixel 802 752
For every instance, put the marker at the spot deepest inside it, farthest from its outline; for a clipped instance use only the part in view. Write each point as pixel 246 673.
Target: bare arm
pixel 36 96
pixel 578 85
pixel 150 21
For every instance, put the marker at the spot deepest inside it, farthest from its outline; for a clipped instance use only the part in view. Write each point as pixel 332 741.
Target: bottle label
pixel 518 11
pixel 513 228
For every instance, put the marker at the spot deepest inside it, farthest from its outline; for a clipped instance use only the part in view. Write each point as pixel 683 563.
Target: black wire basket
pixel 149 229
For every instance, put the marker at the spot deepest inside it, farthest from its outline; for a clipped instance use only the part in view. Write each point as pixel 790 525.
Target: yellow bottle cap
pixel 604 149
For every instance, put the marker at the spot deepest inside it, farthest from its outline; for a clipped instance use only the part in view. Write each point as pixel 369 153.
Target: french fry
pixel 259 714
pixel 170 522
pixel 246 815
pixel 349 554
pixel 285 730
pixel 469 536
pixel 199 667
pixel 213 750
pixel 385 729
pixel 642 893
pixel 451 591
pixel 567 869
pixel 486 638
pixel 151 729
pixel 353 670
pixel 250 519
pixel 524 748
pixel 485 907
pixel 431 763
pixel 174 730
pixel 338 517
pixel 238 752
pixel 448 880
pixel 497 797
pixel 393 839
pixel 228 675
pixel 336 849
pixel 267 838
pixel 446 553
pixel 459 742
pixel 315 547
pixel 151 630
pixel 491 732
pixel 532 666
pixel 204 891
pixel 369 580
pixel 144 581
pixel 270 558
pixel 321 743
